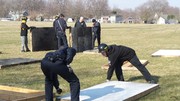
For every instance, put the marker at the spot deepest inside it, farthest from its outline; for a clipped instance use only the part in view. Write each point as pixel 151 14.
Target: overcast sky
pixel 125 4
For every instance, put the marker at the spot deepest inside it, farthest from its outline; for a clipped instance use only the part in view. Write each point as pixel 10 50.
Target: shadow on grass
pixel 155 78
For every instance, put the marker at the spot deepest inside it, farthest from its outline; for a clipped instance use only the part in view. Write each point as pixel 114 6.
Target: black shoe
pixel 59 90
pixel 28 50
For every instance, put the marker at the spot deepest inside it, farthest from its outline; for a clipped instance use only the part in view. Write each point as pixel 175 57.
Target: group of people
pixel 60 27
pixel 58 62
pixel 96 29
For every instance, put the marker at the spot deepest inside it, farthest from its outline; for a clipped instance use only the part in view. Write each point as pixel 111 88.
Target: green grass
pixel 145 39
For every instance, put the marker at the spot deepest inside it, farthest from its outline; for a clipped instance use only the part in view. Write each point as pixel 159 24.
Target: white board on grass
pixel 114 91
pixel 167 53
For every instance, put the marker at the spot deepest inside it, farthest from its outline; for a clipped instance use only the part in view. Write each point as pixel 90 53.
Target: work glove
pixel 70 69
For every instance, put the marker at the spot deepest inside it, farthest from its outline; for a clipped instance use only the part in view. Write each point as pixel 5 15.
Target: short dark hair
pixel 61 15
pixel 93 20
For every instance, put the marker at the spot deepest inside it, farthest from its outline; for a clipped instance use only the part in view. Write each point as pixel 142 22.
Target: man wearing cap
pixel 97 32
pixel 23 34
pixel 117 55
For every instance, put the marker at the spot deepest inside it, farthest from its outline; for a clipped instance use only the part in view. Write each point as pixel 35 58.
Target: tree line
pixel 87 8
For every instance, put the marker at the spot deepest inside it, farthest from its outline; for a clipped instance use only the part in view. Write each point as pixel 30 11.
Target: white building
pixel 161 20
pixel 116 19
pixel 112 19
pixel 105 19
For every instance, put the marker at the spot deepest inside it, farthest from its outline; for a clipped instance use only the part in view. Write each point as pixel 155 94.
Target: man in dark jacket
pixel 60 27
pixel 56 18
pixel 23 34
pixel 117 55
pixel 80 23
pixel 97 32
pixel 58 63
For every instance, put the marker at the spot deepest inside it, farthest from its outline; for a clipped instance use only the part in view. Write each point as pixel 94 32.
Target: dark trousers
pixel 135 62
pixel 62 39
pixel 51 70
pixel 118 71
pixel 98 37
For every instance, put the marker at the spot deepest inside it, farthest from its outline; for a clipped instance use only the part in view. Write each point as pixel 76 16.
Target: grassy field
pixel 145 39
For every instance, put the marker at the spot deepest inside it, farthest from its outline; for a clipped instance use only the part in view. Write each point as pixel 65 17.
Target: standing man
pixel 56 18
pixel 97 32
pixel 80 23
pixel 60 29
pixel 58 63
pixel 117 54
pixel 23 34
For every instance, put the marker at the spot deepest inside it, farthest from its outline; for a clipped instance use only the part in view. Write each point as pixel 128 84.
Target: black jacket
pixel 60 25
pixel 24 29
pixel 80 24
pixel 117 55
pixel 65 56
pixel 96 28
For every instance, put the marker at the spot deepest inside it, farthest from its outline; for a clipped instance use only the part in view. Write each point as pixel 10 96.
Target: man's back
pixel 60 25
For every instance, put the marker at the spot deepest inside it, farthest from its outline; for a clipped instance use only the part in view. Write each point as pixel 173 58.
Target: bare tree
pixel 3 8
pixel 55 7
pixel 78 8
pixel 144 13
pixel 174 11
pixel 157 6
pixel 86 8
pixel 61 5
pixel 148 10
pixel 35 7
pixel 51 9
pixel 15 5
pixel 98 8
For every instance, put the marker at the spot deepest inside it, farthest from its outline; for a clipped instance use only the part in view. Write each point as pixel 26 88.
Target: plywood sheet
pixel 82 38
pixel 8 93
pixel 43 38
pixel 114 91
pixel 16 61
pixel 127 65
pixel 167 53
